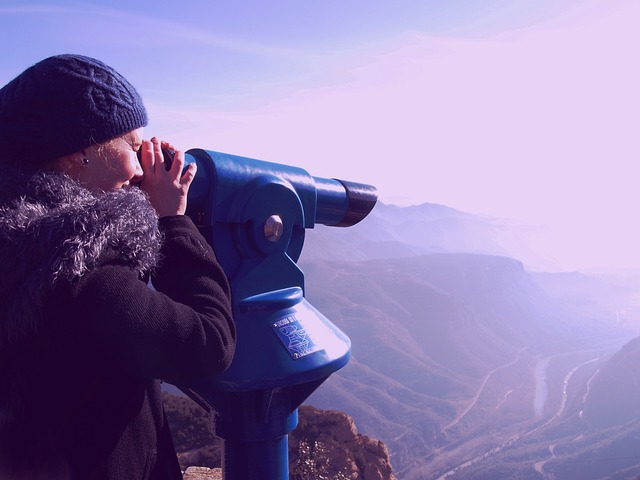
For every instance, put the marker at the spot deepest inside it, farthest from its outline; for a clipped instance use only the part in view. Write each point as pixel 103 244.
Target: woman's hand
pixel 167 189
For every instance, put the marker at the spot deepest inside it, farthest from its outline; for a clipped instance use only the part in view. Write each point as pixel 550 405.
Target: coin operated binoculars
pixel 254 214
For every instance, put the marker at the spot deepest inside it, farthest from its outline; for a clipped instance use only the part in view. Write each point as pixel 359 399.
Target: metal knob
pixel 273 228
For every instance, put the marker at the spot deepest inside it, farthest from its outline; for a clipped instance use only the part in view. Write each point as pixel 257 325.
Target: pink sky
pixel 538 125
pixel 525 111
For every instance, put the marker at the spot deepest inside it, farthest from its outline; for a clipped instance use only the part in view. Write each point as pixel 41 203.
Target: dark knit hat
pixel 62 105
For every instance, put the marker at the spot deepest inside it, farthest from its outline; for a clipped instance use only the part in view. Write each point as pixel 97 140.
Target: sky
pixel 527 111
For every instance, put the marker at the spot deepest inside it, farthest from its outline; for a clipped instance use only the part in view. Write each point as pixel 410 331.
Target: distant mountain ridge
pixel 391 231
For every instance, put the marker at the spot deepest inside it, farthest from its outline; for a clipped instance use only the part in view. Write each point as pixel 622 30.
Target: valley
pixel 556 384
pixel 467 363
pixel 459 360
pixel 471 360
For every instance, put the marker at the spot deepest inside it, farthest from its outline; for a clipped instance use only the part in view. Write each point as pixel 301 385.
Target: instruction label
pixel 295 337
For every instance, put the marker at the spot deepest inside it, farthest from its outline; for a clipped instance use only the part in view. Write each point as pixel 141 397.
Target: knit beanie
pixel 64 104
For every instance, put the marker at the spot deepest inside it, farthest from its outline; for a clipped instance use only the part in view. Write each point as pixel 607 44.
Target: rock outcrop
pixel 325 444
pixel 202 473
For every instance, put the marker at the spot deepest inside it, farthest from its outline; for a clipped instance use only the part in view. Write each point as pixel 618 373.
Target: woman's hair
pixel 62 105
pixel 103 149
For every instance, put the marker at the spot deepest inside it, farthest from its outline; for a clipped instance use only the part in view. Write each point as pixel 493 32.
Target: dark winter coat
pixel 84 338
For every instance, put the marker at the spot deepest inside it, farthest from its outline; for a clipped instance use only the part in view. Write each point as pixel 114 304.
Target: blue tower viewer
pixel 255 214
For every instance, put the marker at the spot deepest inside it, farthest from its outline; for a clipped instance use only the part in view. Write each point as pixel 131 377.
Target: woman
pixel 84 230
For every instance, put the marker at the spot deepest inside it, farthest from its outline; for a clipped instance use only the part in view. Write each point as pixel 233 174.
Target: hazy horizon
pixel 523 111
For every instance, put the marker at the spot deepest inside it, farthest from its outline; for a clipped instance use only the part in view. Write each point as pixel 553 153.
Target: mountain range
pixel 469 360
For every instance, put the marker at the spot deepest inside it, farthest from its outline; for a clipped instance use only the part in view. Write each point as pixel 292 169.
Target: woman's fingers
pixel 157 154
pixel 177 166
pixel 167 189
pixel 189 175
pixel 146 157
pixel 178 162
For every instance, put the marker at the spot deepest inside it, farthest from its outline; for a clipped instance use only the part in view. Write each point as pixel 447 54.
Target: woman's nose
pixel 138 173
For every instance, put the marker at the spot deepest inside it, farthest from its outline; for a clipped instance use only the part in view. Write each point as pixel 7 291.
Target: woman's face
pixel 111 165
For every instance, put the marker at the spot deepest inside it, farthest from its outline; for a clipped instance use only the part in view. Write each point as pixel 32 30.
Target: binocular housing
pixel 250 210
pixel 254 214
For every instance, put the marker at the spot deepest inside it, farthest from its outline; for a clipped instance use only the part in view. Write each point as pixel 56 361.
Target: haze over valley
pixel 468 359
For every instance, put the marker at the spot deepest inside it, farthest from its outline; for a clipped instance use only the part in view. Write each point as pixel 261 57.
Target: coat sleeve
pixel 181 328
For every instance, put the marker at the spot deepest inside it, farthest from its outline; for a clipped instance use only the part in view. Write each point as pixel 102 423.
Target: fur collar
pixel 53 229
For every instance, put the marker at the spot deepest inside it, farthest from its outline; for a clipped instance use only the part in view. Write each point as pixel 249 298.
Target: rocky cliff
pixel 325 444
